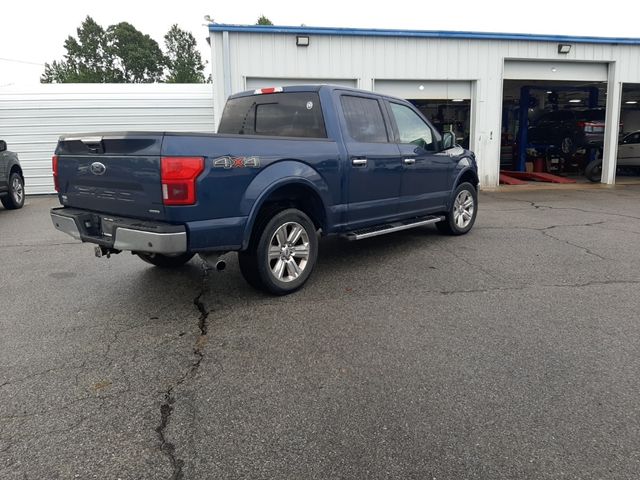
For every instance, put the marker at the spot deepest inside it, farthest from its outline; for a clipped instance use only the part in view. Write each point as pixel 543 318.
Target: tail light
pixel 591 127
pixel 54 167
pixel 178 176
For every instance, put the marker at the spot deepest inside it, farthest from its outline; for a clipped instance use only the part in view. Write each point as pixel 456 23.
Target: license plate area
pixel 107 226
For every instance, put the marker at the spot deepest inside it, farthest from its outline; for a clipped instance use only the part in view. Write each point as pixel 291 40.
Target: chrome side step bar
pixel 392 227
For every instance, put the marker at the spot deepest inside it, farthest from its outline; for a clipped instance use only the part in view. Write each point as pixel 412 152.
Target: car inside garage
pixel 628 165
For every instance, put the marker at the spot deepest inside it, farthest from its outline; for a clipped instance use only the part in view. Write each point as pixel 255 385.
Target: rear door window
pixel 365 122
pixel 294 114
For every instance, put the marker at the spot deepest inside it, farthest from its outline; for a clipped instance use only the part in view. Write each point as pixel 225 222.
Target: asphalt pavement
pixel 510 353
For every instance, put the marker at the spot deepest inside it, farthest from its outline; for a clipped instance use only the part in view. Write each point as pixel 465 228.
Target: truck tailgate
pixel 112 173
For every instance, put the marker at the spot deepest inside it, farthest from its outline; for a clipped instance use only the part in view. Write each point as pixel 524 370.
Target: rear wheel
pixel 15 198
pixel 165 261
pixel 462 212
pixel 282 254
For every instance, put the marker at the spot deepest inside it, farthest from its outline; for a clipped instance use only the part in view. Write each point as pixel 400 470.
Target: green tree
pixel 119 54
pixel 183 60
pixel 137 56
pixel 88 58
pixel 264 21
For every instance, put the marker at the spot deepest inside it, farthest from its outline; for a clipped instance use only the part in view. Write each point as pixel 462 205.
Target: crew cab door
pixel 426 175
pixel 374 169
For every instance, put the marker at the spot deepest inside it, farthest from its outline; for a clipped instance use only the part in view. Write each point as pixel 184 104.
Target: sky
pixel 33 32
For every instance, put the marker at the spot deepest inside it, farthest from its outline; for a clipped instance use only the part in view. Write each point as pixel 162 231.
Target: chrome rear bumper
pixel 122 234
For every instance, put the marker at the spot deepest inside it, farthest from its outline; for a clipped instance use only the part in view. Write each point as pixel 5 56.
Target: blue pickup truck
pixel 286 166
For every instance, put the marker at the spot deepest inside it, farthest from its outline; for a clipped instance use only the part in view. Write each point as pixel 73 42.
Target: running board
pixel 391 227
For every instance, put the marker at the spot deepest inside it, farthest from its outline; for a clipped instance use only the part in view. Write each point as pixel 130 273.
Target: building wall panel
pixel 32 118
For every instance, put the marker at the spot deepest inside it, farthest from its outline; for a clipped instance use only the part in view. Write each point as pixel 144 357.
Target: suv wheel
pixel 15 198
pixel 282 254
pixel 593 170
pixel 462 212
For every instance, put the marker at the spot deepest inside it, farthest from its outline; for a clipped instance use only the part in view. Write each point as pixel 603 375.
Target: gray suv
pixel 11 179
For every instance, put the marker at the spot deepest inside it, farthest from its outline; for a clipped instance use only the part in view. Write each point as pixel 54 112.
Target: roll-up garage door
pixel 415 89
pixel 559 71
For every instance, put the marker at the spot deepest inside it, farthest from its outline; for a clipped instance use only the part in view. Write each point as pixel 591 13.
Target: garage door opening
pixel 448 116
pixel 447 104
pixel 552 127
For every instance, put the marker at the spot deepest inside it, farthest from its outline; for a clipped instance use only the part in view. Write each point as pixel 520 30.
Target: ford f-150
pixel 286 166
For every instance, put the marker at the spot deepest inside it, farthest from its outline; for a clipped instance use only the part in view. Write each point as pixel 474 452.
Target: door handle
pixel 359 162
pixel 409 161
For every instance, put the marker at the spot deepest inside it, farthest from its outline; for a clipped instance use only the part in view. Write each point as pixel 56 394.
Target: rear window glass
pixel 590 115
pixel 364 119
pixel 295 114
pixel 557 116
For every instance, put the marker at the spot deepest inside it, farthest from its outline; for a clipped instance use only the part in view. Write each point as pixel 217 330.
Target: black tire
pixel 260 271
pixel 15 198
pixel 165 261
pixel 593 170
pixel 450 225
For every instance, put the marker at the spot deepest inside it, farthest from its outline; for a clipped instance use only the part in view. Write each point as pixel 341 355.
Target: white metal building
pixel 33 117
pixel 459 66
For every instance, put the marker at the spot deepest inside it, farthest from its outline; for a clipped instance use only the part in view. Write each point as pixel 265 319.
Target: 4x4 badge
pixel 236 162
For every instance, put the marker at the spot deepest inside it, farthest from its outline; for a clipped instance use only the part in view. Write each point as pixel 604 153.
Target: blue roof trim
pixel 220 27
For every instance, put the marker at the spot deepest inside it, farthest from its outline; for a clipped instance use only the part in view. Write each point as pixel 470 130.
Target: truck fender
pixel 466 171
pixel 277 175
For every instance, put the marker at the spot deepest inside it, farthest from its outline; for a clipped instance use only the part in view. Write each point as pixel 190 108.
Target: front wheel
pixel 593 170
pixel 15 198
pixel 462 212
pixel 282 254
pixel 165 261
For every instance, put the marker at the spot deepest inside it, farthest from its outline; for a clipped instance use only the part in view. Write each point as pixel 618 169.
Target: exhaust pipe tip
pixel 221 265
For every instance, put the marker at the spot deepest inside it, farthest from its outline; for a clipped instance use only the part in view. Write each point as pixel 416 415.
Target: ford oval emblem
pixel 98 168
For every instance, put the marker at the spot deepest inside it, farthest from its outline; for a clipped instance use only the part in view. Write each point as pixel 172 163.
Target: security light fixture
pixel 302 41
pixel 421 87
pixel 575 100
pixel 631 102
pixel 564 48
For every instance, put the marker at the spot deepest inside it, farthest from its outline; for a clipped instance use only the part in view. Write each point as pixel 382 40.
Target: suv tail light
pixel 54 167
pixel 591 127
pixel 178 176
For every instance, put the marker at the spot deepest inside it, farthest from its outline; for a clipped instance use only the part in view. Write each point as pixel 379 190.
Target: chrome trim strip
pixel 355 236
pixel 141 241
pixel 66 225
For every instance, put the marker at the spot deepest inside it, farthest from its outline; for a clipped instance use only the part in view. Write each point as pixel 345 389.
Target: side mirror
pixel 448 140
pixel 3 145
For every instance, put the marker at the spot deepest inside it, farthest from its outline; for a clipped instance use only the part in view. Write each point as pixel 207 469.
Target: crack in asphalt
pixel 583 210
pixel 545 231
pixel 167 406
